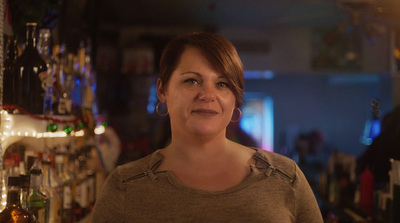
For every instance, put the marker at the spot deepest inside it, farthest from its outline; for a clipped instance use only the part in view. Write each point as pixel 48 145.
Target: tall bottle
pixel 51 188
pixel 65 79
pixel 31 70
pixel 367 188
pixel 14 213
pixel 9 76
pixel 43 47
pixel 37 200
pixel 79 80
pixel 61 162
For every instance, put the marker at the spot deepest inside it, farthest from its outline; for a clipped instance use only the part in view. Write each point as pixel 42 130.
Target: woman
pixel 201 176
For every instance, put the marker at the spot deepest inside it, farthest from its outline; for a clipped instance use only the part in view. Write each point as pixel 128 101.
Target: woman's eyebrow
pixel 191 72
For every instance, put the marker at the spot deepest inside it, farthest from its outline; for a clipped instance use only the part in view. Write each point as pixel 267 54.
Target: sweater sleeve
pixel 110 205
pixel 307 209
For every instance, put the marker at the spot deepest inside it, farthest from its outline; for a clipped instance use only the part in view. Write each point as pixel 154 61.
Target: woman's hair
pixel 216 49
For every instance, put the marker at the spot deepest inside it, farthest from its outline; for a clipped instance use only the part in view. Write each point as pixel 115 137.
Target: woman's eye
pixel 223 84
pixel 191 81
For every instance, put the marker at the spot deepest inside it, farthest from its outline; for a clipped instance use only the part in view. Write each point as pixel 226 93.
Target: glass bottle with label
pixel 14 212
pixel 31 70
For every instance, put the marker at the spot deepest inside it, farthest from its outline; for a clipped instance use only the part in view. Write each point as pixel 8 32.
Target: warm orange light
pixel 396 53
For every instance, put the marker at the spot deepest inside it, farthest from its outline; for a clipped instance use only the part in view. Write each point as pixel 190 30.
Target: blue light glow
pixel 372 129
pixel 258 121
pixel 152 100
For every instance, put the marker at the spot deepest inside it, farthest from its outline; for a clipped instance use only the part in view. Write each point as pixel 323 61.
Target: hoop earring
pixel 158 112
pixel 240 115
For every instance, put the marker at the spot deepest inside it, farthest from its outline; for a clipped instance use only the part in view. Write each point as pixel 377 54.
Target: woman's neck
pixel 193 150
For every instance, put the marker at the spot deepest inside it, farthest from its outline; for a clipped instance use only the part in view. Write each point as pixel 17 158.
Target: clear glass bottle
pixel 61 162
pixel 25 188
pixel 37 200
pixel 9 76
pixel 43 48
pixel 52 186
pixel 31 70
pixel 78 80
pixel 14 213
pixel 65 80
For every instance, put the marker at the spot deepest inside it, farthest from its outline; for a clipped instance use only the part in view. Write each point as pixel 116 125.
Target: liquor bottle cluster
pixel 46 78
pixel 14 212
pixel 57 186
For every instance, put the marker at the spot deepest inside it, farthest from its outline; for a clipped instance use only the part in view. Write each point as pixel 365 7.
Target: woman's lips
pixel 205 112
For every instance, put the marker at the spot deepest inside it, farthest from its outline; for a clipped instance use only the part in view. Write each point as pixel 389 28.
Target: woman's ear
pixel 161 91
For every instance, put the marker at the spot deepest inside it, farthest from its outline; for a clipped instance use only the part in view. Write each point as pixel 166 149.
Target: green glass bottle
pixel 37 200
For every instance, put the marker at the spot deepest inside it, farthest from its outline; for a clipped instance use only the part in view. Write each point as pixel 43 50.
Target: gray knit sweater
pixel 276 191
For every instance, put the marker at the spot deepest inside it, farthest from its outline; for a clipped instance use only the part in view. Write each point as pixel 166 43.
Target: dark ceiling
pixel 221 13
pixel 244 13
pixel 83 18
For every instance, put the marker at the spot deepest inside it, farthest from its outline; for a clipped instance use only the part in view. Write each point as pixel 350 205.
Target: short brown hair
pixel 219 51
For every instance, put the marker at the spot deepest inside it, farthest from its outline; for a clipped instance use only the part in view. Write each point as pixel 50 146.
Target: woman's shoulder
pixel 268 159
pixel 138 167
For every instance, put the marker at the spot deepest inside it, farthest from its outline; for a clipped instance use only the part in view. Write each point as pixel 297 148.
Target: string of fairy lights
pixel 1 63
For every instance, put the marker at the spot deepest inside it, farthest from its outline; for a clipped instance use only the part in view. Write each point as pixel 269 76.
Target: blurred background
pixel 310 65
pixel 320 75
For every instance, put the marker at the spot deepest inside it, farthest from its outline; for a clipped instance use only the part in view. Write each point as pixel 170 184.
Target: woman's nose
pixel 207 93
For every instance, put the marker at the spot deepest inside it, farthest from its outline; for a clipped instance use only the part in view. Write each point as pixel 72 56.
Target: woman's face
pixel 199 100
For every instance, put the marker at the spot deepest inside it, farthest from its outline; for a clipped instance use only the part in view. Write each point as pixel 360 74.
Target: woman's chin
pixel 207 131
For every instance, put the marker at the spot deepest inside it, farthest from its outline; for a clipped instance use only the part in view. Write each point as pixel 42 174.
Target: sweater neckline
pixel 158 157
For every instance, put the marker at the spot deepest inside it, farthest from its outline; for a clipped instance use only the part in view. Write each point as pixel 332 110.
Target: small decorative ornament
pixel 80 125
pixel 68 129
pixel 52 127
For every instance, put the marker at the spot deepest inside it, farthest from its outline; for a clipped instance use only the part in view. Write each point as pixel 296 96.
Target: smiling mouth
pixel 205 112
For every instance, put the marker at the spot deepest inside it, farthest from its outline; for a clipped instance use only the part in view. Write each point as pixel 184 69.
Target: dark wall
pixel 336 104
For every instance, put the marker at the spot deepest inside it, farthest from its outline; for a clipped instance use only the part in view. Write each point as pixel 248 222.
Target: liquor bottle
pixel 51 187
pixel 91 165
pixel 61 162
pixel 90 80
pixel 31 70
pixel 9 76
pixel 83 188
pixel 25 188
pixel 77 196
pixel 14 213
pixel 78 80
pixel 43 48
pixel 38 202
pixel 65 80
pixel 367 188
pixel 56 68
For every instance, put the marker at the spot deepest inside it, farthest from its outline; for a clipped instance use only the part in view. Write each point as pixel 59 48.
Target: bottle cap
pixel 14 181
pixel 31 24
pixel 36 171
